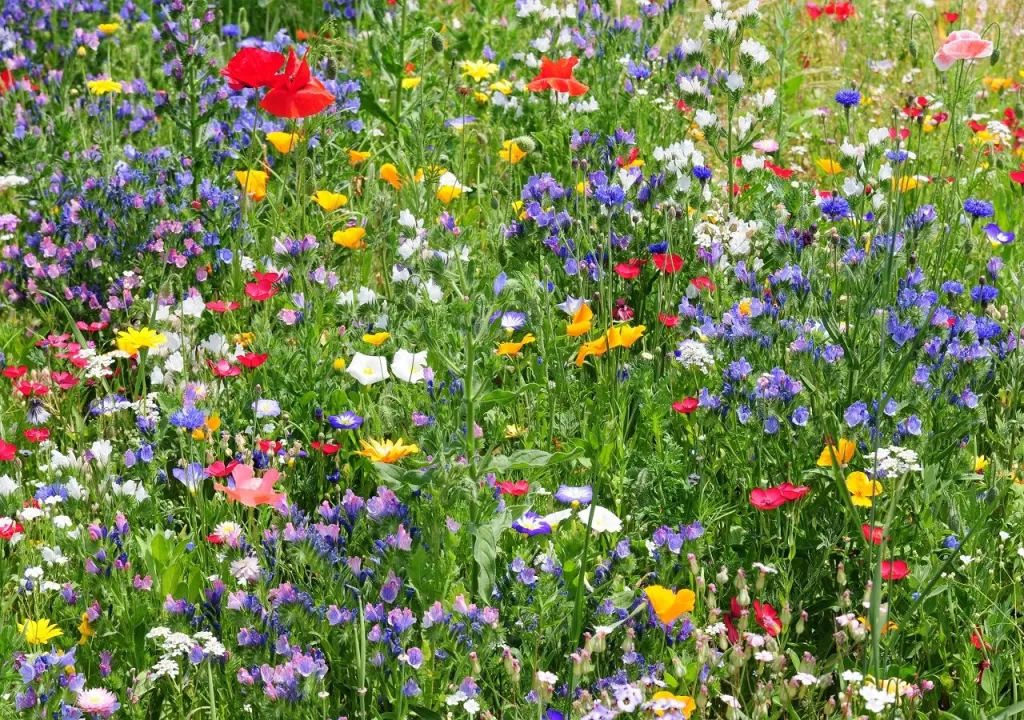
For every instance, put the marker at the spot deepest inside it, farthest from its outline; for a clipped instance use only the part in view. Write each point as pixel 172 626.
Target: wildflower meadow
pixel 511 359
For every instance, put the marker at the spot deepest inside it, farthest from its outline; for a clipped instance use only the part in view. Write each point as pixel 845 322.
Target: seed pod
pixel 331 69
pixel 914 50
pixel 995 56
pixel 435 40
pixel 526 143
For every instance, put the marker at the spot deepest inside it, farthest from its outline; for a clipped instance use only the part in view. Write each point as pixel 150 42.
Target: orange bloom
pixel 843 453
pixel 667 604
pixel 580 324
pixel 594 347
pixel 512 348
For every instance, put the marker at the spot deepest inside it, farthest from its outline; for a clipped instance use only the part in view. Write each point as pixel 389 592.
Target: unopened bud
pixel 526 143
pixel 841 575
pixel 995 56
pixel 435 40
pixel 914 50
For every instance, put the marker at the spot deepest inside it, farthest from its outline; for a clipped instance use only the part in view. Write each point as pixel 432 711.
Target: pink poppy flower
pixel 251 490
pixel 962 45
pixel 894 570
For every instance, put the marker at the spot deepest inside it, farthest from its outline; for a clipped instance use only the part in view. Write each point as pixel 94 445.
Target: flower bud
pixel 435 40
pixel 723 576
pixel 526 143
pixel 841 575
pixel 995 56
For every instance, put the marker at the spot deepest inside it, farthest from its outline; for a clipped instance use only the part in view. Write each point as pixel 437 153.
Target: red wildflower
pixel 326 448
pixel 894 570
pixel 840 11
pixel 15 371
pixel 685 406
pixel 629 270
pixel 814 11
pixel 668 320
pixel 557 75
pixel 260 291
pixel 219 469
pixel 735 613
pixel 7 450
pixel 64 380
pixel 681 106
pixel 904 133
pixel 978 641
pixel 629 159
pixel 767 618
pixel 223 368
pixel 214 539
pixel 29 388
pixel 703 283
pixel 873 534
pixel 270 446
pixel 951 17
pixel 767 498
pixel 219 306
pixel 793 492
pixel 91 327
pixel 517 488
pixel 296 94
pixel 36 435
pixel 252 360
pixel 668 264
pixel 1017 176
pixel 778 171
pixel 252 68
pixel 9 528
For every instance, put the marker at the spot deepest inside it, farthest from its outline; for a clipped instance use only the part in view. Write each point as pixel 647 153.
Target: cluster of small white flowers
pixel 757 52
pixel 876 700
pixel 693 354
pixel 679 158
pixel 735 236
pixel 469 704
pixel 9 181
pixel 893 461
pixel 179 644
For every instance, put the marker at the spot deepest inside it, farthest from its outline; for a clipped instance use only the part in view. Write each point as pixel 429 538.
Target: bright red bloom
pixel 735 613
pixel 36 435
pixel 326 448
pixel 629 270
pixel 894 570
pixel 668 320
pixel 214 539
pixel 260 291
pixel 681 106
pixel 767 498
pixel 840 11
pixel 629 159
pixel 1017 176
pixel 668 264
pixel 904 133
pixel 219 306
pixel 767 618
pixel 793 492
pixel 15 371
pixel 270 446
pixel 252 360
pixel 296 94
pixel 686 405
pixel 517 488
pixel 64 380
pixel 91 327
pixel 951 17
pixel 7 450
pixel 557 75
pixel 978 641
pixel 223 368
pixel 814 11
pixel 703 283
pixel 29 388
pixel 9 528
pixel 271 277
pixel 252 68
pixel 873 534
pixel 779 172
pixel 219 469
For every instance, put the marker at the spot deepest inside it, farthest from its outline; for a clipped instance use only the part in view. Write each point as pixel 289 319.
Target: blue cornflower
pixel 702 173
pixel 978 208
pixel 189 418
pixel 951 543
pixel 897 156
pixel 348 420
pixel 848 97
pixel 835 207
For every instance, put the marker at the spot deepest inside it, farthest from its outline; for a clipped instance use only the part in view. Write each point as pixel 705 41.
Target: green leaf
pixel 525 459
pixel 369 103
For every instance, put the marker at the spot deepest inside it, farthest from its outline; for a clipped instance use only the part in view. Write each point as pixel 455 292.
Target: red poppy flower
pixel 767 498
pixel 668 264
pixel 681 106
pixel 840 11
pixel 271 277
pixel 1017 176
pixel 252 360
pixel 219 469
pixel 325 447
pixel 219 306
pixel 91 327
pixel 270 446
pixel 36 435
pixel 894 570
pixel 15 371
pixel 779 172
pixel 9 528
pixel 978 641
pixel 223 368
pixel 904 133
pixel 557 75
pixel 951 17
pixel 28 388
pixel 517 488
pixel 793 492
pixel 629 159
pixel 686 405
pixel 260 291
pixel 735 613
pixel 214 539
pixel 7 450
pixel 767 618
pixel 814 11
pixel 64 380
pixel 252 68
pixel 873 534
pixel 668 320
pixel 629 270
pixel 296 94
pixel 703 283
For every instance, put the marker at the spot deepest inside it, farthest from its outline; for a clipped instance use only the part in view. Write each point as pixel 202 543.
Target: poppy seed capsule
pixel 526 143
pixel 995 56
pixel 435 40
pixel 914 50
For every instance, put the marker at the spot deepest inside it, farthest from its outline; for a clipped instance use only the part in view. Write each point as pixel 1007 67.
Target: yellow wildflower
pixel 329 201
pixel 478 70
pixel 511 152
pixel 253 182
pixel 386 451
pixel 511 349
pixel 862 489
pixel 102 87
pixel 376 339
pixel 283 142
pixel 39 632
pixel 351 238
pixel 132 340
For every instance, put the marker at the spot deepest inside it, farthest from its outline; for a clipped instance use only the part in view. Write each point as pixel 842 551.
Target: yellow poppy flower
pixel 667 604
pixel 386 451
pixel 39 632
pixel 329 201
pixel 351 238
pixel 253 182
pixel 511 152
pixel 502 86
pixel 478 70
pixel 377 339
pixel 102 87
pixel 213 422
pixel 411 83
pixel 283 142
pixel 356 157
pixel 624 335
pixel 389 174
pixel 843 453
pixel 905 184
pixel 512 348
pixel 862 489
pixel 594 347
pixel 580 324
pixel 829 166
pixel 686 704
pixel 85 629
pixel 108 28
pixel 132 340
